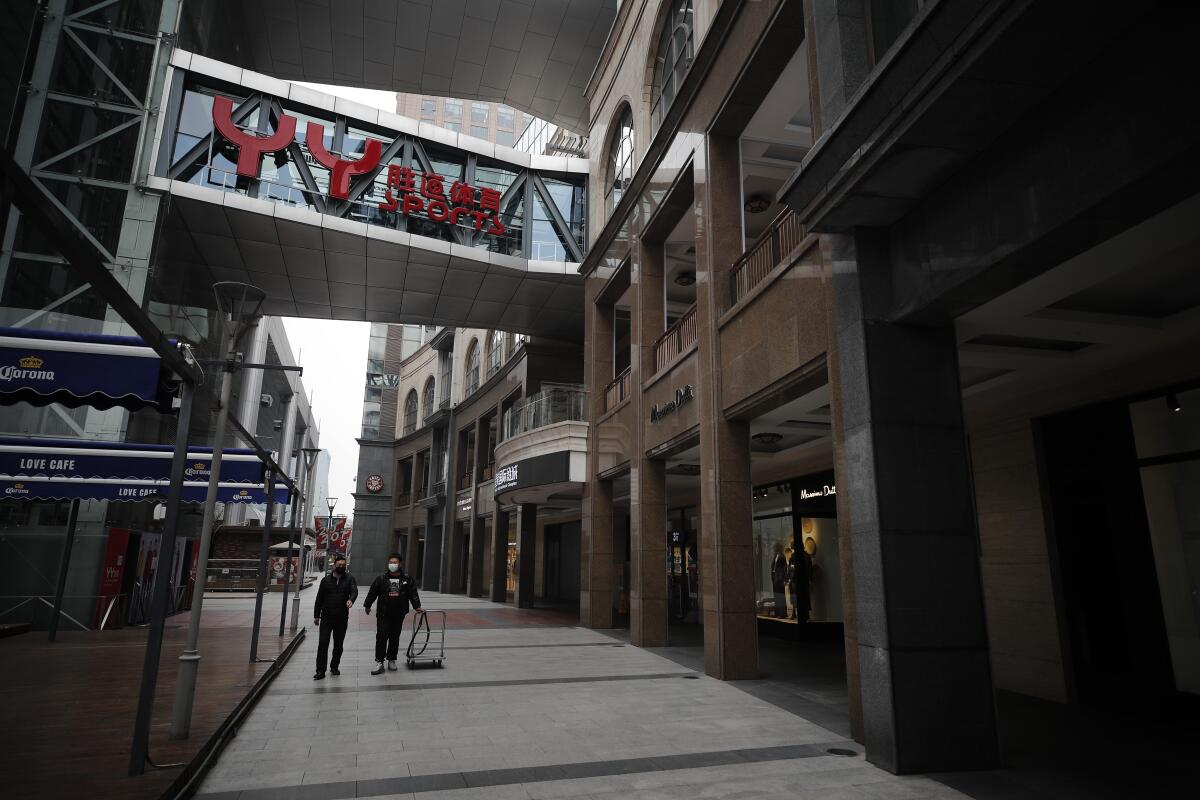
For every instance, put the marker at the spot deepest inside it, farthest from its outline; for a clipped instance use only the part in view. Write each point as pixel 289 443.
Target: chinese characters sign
pixel 407 191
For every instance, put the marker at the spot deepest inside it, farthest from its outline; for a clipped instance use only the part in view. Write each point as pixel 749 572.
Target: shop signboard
pixel 684 394
pixel 543 470
pixel 407 192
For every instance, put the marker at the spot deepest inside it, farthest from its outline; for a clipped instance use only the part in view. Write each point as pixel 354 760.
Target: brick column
pixel 526 554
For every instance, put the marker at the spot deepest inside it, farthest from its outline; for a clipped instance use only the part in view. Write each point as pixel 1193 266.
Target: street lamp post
pixel 238 305
pixel 332 503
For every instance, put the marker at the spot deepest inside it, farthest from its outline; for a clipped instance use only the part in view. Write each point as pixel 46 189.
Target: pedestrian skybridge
pixel 337 210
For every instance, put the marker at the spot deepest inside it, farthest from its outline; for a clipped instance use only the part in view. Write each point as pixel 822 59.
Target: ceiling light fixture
pixel 756 204
pixel 767 437
pixel 685 278
pixel 1173 402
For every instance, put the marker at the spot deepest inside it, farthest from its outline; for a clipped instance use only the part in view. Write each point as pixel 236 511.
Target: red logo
pixel 250 147
pixel 461 204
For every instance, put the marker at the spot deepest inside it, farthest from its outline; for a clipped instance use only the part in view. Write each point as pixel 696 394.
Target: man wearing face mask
pixel 395 589
pixel 335 595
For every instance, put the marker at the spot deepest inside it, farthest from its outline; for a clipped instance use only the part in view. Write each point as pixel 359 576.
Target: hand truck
pixel 428 642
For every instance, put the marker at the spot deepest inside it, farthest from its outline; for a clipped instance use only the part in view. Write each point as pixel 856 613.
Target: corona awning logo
pixel 460 203
pixel 28 368
pixel 199 469
pixel 16 488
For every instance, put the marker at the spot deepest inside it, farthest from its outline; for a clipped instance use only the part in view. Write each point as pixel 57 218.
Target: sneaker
pixel 335 671
pixel 378 668
pixel 392 665
pixel 320 676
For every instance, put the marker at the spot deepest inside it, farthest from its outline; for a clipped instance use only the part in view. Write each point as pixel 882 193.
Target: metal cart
pixel 428 642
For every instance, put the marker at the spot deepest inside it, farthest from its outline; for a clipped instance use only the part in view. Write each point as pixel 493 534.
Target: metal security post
pixel 64 566
pixel 239 305
pixel 140 754
pixel 261 584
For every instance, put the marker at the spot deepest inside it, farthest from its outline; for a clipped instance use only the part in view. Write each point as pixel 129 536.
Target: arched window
pixel 672 59
pixel 495 352
pixel 410 412
pixel 472 373
pixel 620 160
pixel 427 401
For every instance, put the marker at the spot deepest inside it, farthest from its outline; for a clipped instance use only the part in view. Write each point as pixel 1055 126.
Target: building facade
pixel 470 404
pixel 871 330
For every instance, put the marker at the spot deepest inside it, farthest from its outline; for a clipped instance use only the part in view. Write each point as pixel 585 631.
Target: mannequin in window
pixel 799 573
pixel 779 576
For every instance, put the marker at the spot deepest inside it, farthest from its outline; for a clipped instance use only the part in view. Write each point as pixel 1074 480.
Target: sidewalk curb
pixel 188 781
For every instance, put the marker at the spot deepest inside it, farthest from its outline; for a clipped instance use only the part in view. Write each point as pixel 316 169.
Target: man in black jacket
pixel 335 595
pixel 395 589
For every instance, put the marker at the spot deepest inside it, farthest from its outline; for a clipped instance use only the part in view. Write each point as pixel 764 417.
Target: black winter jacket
pixel 332 594
pixel 381 590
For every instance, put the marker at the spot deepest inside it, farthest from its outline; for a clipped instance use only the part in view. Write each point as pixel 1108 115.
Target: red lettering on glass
pixel 342 169
pixel 412 204
pixel 438 212
pixel 251 147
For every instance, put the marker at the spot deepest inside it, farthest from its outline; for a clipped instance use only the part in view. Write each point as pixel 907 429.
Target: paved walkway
pixel 528 705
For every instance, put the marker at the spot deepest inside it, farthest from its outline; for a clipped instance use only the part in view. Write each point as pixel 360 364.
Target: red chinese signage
pixel 462 204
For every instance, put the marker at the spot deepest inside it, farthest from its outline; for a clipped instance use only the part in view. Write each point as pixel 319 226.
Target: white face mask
pixel 393 567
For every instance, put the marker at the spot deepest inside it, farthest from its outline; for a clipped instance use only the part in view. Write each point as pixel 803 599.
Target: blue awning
pixel 77 369
pixel 43 488
pixel 81 458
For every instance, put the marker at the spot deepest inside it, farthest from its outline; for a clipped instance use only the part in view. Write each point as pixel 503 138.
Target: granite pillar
pixel 647 476
pixel 432 557
pixel 726 512
pixel 526 554
pixel 596 589
pixel 498 591
pixel 922 637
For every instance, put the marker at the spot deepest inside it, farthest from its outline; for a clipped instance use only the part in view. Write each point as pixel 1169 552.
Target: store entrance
pixel 683 566
pixel 1124 488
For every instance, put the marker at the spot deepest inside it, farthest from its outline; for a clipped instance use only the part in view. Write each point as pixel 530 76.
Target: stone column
pixel 526 554
pixel 922 638
pixel 726 512
pixel 596 543
pixel 475 530
pixel 410 548
pixel 647 477
pixel 499 587
pixel 433 550
pixel 455 542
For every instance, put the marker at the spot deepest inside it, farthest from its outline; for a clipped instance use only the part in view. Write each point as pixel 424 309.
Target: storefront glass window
pixel 796 559
pixel 1167 435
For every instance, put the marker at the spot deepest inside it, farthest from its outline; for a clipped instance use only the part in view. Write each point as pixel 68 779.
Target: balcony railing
pixel 464 481
pixel 679 337
pixel 616 391
pixel 403 499
pixel 559 404
pixel 776 243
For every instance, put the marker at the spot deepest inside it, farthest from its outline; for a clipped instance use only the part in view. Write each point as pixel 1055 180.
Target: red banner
pixel 113 571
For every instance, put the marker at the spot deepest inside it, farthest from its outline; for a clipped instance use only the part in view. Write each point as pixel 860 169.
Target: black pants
pixel 337 627
pixel 387 637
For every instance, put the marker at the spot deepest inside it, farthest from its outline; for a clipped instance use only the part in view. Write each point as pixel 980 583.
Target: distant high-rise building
pixel 493 122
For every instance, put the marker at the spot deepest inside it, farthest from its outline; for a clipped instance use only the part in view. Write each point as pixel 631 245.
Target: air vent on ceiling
pixel 1029 343
pixel 785 152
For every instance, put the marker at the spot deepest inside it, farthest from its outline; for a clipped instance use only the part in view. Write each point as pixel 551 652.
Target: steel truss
pixel 409 149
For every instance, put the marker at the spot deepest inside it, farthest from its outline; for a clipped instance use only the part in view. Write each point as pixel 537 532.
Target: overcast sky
pixel 334 356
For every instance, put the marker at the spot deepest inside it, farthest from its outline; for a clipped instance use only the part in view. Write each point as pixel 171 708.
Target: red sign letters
pixel 462 205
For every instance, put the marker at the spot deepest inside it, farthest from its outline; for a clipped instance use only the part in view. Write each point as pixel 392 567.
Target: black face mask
pixel 339 570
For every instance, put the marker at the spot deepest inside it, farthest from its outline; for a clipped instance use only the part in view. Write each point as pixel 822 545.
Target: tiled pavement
pixel 532 711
